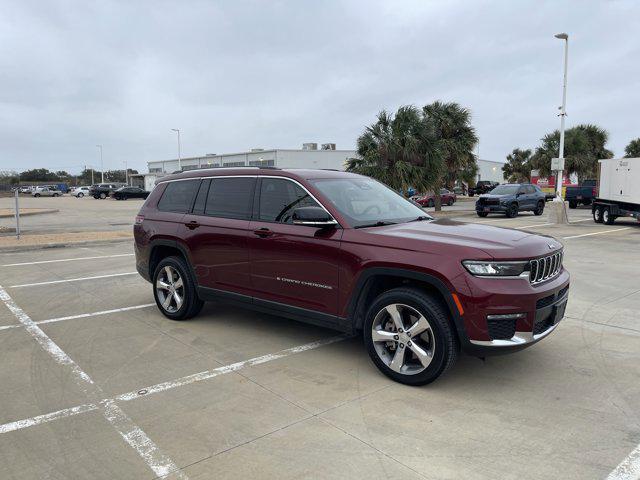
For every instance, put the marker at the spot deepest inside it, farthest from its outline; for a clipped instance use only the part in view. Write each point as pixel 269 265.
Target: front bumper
pixel 540 308
pixel 491 208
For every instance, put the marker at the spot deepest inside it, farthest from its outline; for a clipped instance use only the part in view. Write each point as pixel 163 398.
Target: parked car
pixel 25 189
pixel 124 193
pixel 429 199
pixel 46 192
pixel 581 194
pixel 80 192
pixel 344 251
pixel 483 186
pixel 103 190
pixel 511 199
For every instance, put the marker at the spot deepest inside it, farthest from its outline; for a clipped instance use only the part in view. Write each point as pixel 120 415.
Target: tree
pixel 633 149
pixel 400 150
pixel 518 166
pixel 457 140
pixel 584 145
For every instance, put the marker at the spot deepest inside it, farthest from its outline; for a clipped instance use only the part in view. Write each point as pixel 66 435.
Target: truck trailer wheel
pixel 573 204
pixel 597 214
pixel 607 217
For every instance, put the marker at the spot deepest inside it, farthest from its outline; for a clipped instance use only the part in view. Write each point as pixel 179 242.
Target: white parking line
pixel 72 280
pixel 66 260
pixel 157 461
pixel 629 468
pixel 162 387
pixel 535 225
pixel 596 233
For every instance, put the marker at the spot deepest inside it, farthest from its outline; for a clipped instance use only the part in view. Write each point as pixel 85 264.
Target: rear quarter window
pixel 178 196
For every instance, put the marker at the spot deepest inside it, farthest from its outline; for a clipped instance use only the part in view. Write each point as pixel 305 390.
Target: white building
pixel 307 157
pixel 490 170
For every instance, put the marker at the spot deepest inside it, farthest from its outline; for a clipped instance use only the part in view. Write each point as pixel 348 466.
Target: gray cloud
pixel 236 75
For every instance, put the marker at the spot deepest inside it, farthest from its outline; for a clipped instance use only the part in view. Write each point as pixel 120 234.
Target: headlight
pixel 495 269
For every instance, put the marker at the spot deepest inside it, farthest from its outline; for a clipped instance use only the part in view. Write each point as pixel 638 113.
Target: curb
pixel 28 213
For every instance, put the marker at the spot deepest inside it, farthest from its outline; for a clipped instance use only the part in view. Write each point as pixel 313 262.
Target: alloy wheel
pixel 170 289
pixel 403 339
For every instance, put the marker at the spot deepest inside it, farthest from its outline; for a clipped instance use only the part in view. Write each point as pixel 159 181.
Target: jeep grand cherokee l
pixel 343 251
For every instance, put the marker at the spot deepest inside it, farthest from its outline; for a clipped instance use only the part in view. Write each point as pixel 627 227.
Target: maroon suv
pixel 343 251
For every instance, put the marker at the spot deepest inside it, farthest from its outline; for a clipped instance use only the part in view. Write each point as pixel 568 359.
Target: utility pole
pixel 179 149
pixel 101 163
pixel 126 173
pixel 563 114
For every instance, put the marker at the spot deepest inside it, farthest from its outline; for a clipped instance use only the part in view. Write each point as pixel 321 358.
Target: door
pixel 295 265
pixel 216 233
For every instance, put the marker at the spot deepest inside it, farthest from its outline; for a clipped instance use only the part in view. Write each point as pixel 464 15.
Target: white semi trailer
pixel 618 190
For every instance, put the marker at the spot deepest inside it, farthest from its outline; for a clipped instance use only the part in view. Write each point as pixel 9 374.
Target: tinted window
pixel 530 189
pixel 201 198
pixel 279 198
pixel 505 190
pixel 178 196
pixel 230 197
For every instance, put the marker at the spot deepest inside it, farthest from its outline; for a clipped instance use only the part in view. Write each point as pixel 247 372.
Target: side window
pixel 530 189
pixel 279 198
pixel 178 196
pixel 201 198
pixel 230 197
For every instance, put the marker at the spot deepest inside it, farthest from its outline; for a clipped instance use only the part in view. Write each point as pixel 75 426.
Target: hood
pixel 487 241
pixel 490 195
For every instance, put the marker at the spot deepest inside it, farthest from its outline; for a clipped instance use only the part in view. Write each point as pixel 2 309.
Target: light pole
pixel 126 173
pixel 101 163
pixel 179 148
pixel 563 114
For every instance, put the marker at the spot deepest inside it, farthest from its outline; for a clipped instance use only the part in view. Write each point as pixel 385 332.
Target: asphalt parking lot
pixel 96 383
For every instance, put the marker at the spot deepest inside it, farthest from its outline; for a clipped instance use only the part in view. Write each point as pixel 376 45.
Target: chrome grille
pixel 545 268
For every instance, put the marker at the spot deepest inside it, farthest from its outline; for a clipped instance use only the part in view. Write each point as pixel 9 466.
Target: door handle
pixel 263 232
pixel 192 225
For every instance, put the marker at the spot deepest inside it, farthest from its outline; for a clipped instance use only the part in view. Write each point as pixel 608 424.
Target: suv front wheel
pixel 174 290
pixel 408 336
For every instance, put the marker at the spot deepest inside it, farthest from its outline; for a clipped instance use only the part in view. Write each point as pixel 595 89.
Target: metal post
pixel 17 213
pixel 126 173
pixel 101 163
pixel 563 112
pixel 179 149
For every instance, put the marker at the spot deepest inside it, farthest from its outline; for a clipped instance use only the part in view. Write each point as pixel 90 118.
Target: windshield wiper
pixel 379 223
pixel 421 218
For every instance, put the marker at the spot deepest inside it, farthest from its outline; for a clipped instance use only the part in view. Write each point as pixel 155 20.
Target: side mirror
pixel 519 193
pixel 313 217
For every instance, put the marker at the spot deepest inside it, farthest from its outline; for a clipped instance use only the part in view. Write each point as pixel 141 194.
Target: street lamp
pixel 179 153
pixel 563 114
pixel 101 163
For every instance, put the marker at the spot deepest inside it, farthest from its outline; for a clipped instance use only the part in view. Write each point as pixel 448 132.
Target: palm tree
pixel 518 166
pixel 584 145
pixel 400 151
pixel 457 140
pixel 633 149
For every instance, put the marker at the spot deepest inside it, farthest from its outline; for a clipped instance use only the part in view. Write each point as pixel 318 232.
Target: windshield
pixel 505 190
pixel 363 201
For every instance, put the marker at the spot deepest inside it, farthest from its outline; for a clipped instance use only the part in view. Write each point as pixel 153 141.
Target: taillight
pixel 139 219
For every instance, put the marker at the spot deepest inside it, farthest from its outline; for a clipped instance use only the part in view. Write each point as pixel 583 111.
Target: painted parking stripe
pixel 162 387
pixel 66 260
pixel 629 468
pixel 596 233
pixel 81 279
pixel 156 460
pixel 82 315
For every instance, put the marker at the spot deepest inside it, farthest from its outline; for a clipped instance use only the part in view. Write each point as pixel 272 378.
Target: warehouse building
pixel 490 170
pixel 307 157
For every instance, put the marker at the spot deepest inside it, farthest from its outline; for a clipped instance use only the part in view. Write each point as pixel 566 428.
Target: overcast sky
pixel 236 75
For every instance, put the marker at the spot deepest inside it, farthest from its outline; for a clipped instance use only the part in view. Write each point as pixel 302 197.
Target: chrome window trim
pixel 258 176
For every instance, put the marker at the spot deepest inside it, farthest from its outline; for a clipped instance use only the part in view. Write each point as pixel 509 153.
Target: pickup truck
pixel 483 186
pixel 581 194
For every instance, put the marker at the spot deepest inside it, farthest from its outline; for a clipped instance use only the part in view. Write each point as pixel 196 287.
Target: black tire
pixel 37 195
pixel 124 197
pixel 471 194
pixel 80 195
pixel 512 210
pixel 597 214
pixel 191 304
pixel 482 214
pixel 587 202
pixel 573 204
pixel 607 217
pixel 103 196
pixel 539 208
pixel 442 338
pixel 450 202
pixel 96 197
pixel 431 203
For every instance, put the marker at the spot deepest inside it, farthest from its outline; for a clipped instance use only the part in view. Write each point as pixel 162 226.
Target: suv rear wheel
pixel 174 290
pixel 408 336
pixel 539 208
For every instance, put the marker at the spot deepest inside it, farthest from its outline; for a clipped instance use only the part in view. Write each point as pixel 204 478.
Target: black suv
pixel 511 199
pixel 483 186
pixel 103 190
